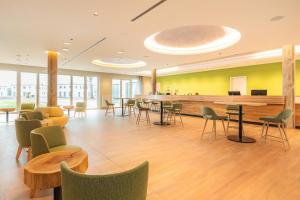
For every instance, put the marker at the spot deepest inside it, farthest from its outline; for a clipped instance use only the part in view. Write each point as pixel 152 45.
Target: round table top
pixel 7 109
pixel 68 107
pixel 50 162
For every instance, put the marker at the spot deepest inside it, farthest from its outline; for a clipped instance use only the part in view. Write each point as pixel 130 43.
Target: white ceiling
pixel 29 28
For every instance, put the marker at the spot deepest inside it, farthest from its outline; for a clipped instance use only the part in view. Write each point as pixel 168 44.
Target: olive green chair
pixel 141 110
pixel 175 111
pixel 49 139
pixel 209 114
pixel 130 106
pixel 279 120
pixel 128 185
pixel 23 129
pixel 26 107
pixel 33 115
pixel 108 106
pixel 80 109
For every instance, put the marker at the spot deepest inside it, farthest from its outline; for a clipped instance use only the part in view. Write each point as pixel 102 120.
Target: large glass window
pixel 92 92
pixel 8 80
pixel 78 89
pixel 135 88
pixel 28 87
pixel 126 89
pixel 116 92
pixel 63 90
pixel 43 90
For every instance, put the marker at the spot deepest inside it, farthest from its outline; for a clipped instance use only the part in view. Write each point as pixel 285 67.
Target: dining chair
pixel 175 111
pixel 80 109
pixel 108 106
pixel 209 114
pixel 130 106
pixel 142 109
pixel 279 120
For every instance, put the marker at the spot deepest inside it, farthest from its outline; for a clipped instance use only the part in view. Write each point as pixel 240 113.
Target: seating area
pixel 149 100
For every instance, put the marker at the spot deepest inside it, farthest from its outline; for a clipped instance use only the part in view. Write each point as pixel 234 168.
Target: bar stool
pixel 155 105
pixel 146 103
pixel 279 120
pixel 209 114
pixel 108 106
pixel 167 106
pixel 130 106
pixel 141 110
pixel 232 110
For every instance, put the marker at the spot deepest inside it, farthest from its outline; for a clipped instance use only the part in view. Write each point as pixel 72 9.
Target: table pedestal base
pixel 57 193
pixel 244 139
pixel 161 124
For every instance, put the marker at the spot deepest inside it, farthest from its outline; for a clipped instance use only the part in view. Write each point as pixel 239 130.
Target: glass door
pixel 116 92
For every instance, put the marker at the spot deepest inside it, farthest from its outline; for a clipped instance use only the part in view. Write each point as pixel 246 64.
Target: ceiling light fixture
pixel 230 37
pixel 276 18
pixel 134 64
pixel 65 49
pixel 121 52
pixel 67 43
pixel 96 14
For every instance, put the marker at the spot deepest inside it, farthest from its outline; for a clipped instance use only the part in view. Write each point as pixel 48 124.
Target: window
pixel 135 88
pixel 78 89
pixel 28 83
pixel 116 92
pixel 92 92
pixel 126 89
pixel 64 85
pixel 43 90
pixel 8 80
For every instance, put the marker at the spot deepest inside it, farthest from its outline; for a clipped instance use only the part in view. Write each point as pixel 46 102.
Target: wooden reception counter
pixel 192 105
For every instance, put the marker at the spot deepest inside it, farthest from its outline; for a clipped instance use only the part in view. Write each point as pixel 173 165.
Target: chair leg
pixel 29 153
pixel 267 130
pixel 204 128
pixel 138 118
pixel 224 128
pixel 19 152
pixel 228 121
pixel 286 138
pixel 106 110
pixel 180 118
pixel 263 130
pixel 215 128
pixel 114 110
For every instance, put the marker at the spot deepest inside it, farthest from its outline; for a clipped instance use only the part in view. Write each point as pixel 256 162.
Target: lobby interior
pixel 154 99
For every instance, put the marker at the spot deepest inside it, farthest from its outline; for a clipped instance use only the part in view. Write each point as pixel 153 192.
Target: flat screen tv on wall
pixel 259 92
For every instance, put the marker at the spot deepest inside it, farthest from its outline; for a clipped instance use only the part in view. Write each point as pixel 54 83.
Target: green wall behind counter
pixel 217 82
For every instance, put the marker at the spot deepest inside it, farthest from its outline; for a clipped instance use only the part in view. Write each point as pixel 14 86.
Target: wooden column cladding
pixel 288 80
pixel 52 78
pixel 153 81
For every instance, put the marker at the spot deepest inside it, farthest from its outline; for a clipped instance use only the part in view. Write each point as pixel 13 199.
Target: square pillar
pixel 52 78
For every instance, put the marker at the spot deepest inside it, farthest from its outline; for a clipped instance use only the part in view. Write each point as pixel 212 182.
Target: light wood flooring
pixel 182 166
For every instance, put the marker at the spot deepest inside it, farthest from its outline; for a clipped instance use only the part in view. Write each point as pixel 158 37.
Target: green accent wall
pixel 217 82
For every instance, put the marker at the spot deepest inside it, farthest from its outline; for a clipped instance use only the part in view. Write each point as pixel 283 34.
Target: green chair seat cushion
pixel 233 113
pixel 215 117
pixel 65 147
pixel 270 119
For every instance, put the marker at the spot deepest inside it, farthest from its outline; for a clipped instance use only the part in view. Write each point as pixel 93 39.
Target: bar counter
pixel 192 104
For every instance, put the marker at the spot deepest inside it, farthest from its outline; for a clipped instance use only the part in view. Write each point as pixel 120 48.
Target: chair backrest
pixel 131 102
pixel 27 106
pixel 44 138
pixel 80 105
pixel 23 129
pixel 232 107
pixel 33 115
pixel 128 185
pixel 208 113
pixel 107 102
pixel 177 106
pixel 167 103
pixel 139 104
pixel 284 115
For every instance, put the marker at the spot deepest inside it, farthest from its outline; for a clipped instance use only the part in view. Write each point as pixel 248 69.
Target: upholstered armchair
pixel 128 185
pixel 23 129
pixel 26 107
pixel 49 139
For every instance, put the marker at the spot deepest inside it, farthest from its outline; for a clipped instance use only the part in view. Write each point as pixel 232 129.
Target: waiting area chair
pixel 130 106
pixel 109 105
pixel 49 139
pixel 128 185
pixel 210 114
pixel 33 115
pixel 141 110
pixel 26 107
pixel 23 129
pixel 279 120
pixel 175 111
pixel 80 109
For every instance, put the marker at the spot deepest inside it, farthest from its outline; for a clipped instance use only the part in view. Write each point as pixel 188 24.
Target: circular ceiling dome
pixel 119 62
pixel 191 40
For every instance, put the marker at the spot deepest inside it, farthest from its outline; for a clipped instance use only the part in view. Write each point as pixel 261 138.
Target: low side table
pixel 68 108
pixel 7 111
pixel 43 172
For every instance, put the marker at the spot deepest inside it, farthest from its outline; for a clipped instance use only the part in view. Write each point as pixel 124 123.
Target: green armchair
pixel 80 108
pixel 23 129
pixel 33 115
pixel 128 185
pixel 49 139
pixel 26 107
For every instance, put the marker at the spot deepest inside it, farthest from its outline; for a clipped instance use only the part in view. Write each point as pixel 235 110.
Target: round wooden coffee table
pixel 43 172
pixel 7 110
pixel 68 108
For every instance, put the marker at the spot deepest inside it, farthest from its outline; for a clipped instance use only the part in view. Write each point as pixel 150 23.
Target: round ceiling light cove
pixel 124 63
pixel 192 40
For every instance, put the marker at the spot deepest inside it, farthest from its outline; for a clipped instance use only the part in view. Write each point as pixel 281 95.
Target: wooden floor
pixel 181 165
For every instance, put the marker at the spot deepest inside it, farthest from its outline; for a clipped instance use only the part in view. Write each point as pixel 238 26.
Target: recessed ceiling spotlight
pixel 121 52
pixel 65 49
pixel 67 43
pixel 71 39
pixel 276 18
pixel 96 14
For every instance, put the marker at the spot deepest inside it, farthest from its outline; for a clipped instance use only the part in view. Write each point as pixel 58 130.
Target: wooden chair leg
pixel 19 152
pixel 29 153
